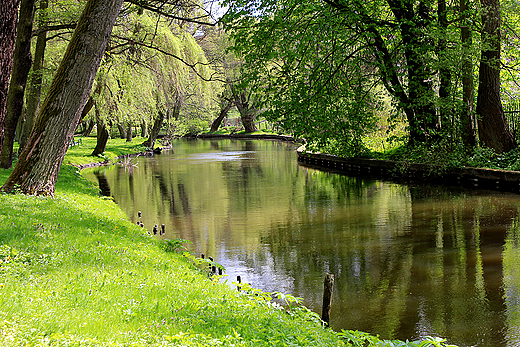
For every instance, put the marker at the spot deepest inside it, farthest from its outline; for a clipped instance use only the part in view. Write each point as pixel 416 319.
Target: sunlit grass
pixel 386 138
pixel 81 154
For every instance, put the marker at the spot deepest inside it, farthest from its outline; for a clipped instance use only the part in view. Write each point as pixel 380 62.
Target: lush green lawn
pixel 81 154
pixel 75 272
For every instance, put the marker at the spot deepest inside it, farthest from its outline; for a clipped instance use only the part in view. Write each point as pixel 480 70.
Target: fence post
pixel 328 287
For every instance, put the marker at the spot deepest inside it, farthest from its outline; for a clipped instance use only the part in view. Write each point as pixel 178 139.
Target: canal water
pixel 409 260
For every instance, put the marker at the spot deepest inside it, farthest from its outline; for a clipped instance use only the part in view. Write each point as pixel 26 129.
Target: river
pixel 409 260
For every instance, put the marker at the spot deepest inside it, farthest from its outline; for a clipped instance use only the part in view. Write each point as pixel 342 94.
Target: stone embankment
pixel 248 137
pixel 476 178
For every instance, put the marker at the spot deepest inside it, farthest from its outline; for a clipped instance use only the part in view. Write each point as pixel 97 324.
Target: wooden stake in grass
pixel 328 286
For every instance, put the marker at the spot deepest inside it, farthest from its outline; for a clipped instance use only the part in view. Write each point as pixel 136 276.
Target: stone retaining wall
pixel 501 180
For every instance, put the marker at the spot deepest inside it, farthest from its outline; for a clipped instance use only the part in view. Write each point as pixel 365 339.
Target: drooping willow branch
pixel 192 66
pixel 159 11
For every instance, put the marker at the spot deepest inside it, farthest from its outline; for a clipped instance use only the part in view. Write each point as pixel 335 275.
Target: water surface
pixel 409 260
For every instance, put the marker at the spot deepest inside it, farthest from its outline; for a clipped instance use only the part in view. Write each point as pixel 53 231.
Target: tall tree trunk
pixel 247 111
pixel 445 89
pixel 420 86
pixel 225 107
pixel 102 135
pixel 154 132
pixel 468 133
pixel 122 130
pixel 36 79
pixel 129 132
pixel 493 129
pixel 8 17
pixel 144 129
pixel 89 127
pixel 38 166
pixel 22 61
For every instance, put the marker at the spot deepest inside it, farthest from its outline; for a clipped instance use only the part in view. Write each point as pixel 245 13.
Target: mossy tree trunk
pixel 122 130
pixel 8 17
pixel 37 168
pixel 89 127
pixel 129 132
pixel 144 129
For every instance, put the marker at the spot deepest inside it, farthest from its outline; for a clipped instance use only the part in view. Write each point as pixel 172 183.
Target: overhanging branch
pixel 159 11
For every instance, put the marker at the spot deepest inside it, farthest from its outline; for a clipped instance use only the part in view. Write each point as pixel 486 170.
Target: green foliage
pixel 486 157
pixel 361 339
pixel 443 156
pixel 176 245
pixel 439 156
pixel 314 93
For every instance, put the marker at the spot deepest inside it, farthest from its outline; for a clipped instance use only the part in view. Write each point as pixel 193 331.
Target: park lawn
pixel 81 154
pixel 75 272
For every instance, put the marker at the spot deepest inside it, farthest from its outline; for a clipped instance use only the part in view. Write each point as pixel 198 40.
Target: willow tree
pixel 182 77
pixel 37 168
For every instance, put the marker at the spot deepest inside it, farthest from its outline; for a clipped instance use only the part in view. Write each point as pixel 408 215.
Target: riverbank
pixel 245 136
pixel 468 177
pixel 75 272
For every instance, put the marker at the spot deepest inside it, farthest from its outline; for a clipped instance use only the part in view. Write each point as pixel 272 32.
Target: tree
pixel 22 64
pixel 244 101
pixel 322 66
pixel 36 170
pixel 494 131
pixel 468 131
pixel 36 79
pixel 8 16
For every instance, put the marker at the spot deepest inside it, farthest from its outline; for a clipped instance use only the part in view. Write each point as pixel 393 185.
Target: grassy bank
pixel 75 272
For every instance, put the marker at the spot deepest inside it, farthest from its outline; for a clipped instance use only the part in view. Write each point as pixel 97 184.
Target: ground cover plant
pixel 75 272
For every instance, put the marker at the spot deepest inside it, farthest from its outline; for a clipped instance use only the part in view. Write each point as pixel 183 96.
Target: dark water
pixel 409 261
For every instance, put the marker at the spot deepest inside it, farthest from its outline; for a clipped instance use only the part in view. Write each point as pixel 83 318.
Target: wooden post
pixel 212 267
pixel 328 287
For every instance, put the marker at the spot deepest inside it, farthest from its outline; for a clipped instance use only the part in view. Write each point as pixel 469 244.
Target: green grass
pixel 75 272
pixel 81 154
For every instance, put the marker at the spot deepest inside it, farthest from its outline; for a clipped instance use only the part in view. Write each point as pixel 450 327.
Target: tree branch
pixel 190 65
pixel 53 28
pixel 159 11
